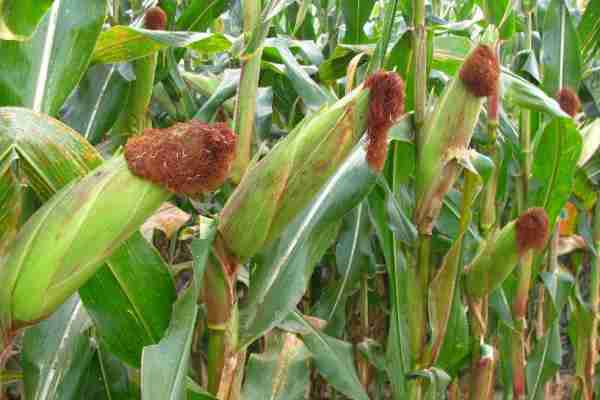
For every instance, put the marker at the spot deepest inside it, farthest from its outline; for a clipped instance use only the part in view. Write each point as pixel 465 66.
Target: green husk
pixel 447 130
pixel 278 188
pixel 494 263
pixel 65 241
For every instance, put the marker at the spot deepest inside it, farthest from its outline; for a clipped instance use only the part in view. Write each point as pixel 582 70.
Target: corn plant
pixel 299 199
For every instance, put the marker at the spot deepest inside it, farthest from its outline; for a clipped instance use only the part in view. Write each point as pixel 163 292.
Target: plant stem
pixel 419 67
pixel 525 271
pixel 418 274
pixel 245 110
pixel 592 358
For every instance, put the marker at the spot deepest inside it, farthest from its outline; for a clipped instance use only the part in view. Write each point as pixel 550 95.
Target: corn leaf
pixel 20 18
pixel 57 353
pixel 41 72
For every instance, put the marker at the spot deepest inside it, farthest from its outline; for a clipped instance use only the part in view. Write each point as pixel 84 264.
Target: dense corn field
pixel 299 199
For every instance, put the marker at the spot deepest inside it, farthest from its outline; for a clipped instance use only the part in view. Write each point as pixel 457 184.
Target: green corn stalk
pixel 64 242
pixel 134 118
pixel 245 110
pixel 274 191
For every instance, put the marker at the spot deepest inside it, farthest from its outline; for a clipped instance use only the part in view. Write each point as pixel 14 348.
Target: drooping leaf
pixel 126 43
pixel 165 365
pixel 19 18
pixel 56 353
pixel 40 73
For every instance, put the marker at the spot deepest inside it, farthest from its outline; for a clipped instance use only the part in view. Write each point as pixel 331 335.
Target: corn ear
pixel 449 129
pixel 65 241
pixel 278 187
pixel 503 250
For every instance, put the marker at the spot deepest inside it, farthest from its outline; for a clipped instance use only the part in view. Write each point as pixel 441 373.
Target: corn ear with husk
pixel 278 187
pixel 502 252
pixel 448 131
pixel 65 241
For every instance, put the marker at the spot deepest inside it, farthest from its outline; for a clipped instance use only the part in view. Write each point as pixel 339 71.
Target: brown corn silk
pixel 386 105
pixel 568 101
pixel 481 72
pixel 155 19
pixel 532 230
pixel 187 158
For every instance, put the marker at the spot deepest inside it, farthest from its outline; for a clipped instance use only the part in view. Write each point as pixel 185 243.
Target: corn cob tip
pixel 155 19
pixel 568 101
pixel 187 158
pixel 532 230
pixel 386 105
pixel 481 71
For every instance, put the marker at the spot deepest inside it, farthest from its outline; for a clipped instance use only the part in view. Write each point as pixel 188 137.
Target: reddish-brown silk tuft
pixel 155 19
pixel 187 158
pixel 481 72
pixel 386 105
pixel 568 101
pixel 532 230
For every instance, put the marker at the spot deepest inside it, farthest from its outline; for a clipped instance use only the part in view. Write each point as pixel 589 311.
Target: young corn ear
pixel 448 130
pixel 502 252
pixel 65 241
pixel 283 183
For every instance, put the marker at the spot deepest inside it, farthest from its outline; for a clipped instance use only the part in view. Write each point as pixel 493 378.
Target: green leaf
pixel 94 106
pixel 557 150
pixel 500 13
pixel 284 268
pixel 225 90
pixel 42 72
pixel 10 203
pixel 561 58
pixel 199 14
pixel 313 95
pixel 519 92
pixel 56 353
pixel 543 363
pixel 351 259
pixel 279 373
pixel 126 43
pixel 20 18
pixel 334 359
pixel 591 141
pixel 165 365
pixel 106 378
pixel 356 14
pixel 589 29
pixel 130 297
pixel 438 382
